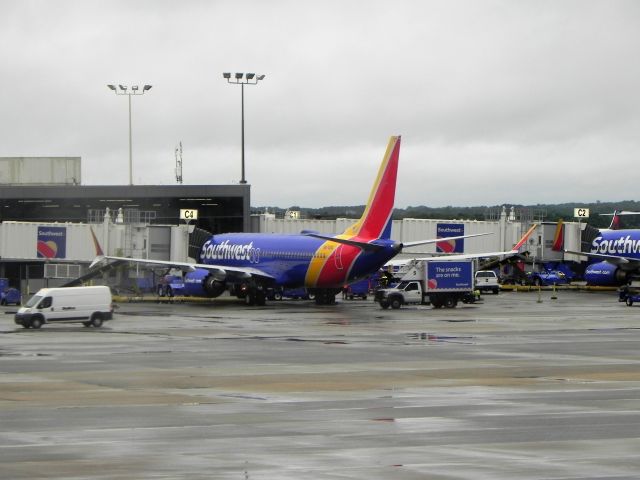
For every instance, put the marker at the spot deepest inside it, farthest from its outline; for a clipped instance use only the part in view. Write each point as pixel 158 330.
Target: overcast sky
pixel 497 102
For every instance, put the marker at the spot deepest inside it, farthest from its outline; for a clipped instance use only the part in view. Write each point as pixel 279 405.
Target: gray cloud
pixel 497 101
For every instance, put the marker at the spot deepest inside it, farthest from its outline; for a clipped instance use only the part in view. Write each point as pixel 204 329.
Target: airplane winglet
pixel 524 238
pixel 96 244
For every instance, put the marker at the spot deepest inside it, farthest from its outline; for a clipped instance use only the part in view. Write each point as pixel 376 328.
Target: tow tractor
pixel 628 296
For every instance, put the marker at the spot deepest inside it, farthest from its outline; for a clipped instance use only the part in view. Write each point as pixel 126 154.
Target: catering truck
pixel 439 282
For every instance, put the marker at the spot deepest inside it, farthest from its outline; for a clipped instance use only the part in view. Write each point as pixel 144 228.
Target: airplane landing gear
pixel 325 296
pixel 255 296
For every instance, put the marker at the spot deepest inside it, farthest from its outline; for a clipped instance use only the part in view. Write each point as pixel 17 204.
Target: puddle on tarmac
pixel 432 337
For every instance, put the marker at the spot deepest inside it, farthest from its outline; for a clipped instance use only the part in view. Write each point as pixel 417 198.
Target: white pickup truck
pixel 487 281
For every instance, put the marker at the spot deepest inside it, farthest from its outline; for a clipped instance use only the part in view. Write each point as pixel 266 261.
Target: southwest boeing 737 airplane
pixel 247 264
pixel 616 254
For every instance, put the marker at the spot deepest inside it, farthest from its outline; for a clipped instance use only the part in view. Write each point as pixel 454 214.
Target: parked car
pixel 10 296
pixel 547 277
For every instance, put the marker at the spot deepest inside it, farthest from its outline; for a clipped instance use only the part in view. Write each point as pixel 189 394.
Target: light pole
pixel 243 79
pixel 133 91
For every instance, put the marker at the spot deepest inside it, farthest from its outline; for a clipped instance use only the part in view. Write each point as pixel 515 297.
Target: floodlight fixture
pixel 134 90
pixel 249 79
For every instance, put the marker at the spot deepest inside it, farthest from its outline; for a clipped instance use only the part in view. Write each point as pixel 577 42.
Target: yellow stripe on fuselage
pixel 319 260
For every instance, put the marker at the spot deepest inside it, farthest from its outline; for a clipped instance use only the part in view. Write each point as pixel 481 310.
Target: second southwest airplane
pixel 247 264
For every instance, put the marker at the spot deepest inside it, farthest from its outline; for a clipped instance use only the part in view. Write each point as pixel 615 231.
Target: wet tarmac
pixel 511 388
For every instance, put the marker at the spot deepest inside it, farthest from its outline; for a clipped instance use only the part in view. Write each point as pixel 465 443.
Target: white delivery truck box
pixel 87 305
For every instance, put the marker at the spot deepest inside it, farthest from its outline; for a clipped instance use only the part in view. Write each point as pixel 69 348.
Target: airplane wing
pixel 372 246
pixel 466 256
pixel 221 270
pixel 443 239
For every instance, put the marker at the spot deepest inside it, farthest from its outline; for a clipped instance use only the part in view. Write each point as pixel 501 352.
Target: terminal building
pixel 47 214
pixel 48 220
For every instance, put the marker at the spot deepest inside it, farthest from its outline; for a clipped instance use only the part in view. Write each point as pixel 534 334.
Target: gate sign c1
pixel 581 212
pixel 188 214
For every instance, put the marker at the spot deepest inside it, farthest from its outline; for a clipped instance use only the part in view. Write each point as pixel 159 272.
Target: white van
pixel 87 305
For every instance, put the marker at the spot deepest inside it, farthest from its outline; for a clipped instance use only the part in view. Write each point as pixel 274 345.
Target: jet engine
pixel 604 273
pixel 202 283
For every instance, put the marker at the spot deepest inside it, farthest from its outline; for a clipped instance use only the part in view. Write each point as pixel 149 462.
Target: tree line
pixel 549 212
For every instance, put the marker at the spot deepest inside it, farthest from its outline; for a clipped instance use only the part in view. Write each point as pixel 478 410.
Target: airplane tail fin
pixel 615 221
pixel 376 219
pixel 558 238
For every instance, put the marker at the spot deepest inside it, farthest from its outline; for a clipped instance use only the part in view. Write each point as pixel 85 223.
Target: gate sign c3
pixel 188 214
pixel 581 212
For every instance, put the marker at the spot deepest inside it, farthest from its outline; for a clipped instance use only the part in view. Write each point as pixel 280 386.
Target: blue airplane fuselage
pixel 616 243
pixel 289 258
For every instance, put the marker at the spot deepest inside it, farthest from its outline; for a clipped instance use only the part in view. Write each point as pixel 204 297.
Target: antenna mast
pixel 179 163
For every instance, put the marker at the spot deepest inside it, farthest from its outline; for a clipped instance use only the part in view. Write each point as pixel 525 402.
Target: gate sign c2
pixel 52 242
pixel 188 214
pixel 581 212
pixel 444 230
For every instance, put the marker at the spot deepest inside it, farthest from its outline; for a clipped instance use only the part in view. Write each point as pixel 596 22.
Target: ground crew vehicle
pixel 487 281
pixel 439 282
pixel 170 286
pixel 8 294
pixel 357 289
pixel 87 305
